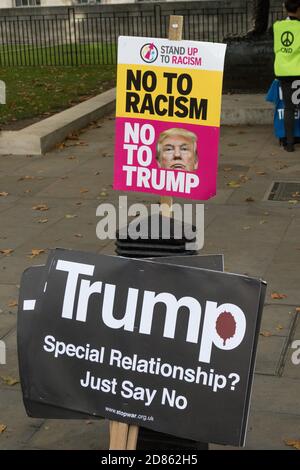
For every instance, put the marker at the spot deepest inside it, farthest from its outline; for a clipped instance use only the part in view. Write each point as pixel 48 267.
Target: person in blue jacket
pixel 274 96
pixel 287 64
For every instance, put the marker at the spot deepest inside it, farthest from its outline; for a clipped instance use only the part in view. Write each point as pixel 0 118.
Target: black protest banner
pixel 32 287
pixel 167 347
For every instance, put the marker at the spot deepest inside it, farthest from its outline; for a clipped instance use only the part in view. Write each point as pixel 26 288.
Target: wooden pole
pixel 123 436
pixel 175 34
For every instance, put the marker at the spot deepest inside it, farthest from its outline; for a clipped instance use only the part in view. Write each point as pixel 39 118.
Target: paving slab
pixel 268 431
pixel 20 428
pixel 269 353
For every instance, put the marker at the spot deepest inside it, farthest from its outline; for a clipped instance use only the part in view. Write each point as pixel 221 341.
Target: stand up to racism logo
pixel 149 53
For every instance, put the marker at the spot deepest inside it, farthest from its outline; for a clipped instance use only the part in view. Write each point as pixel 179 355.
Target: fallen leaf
pixel 279 327
pixel 261 222
pixel 103 194
pixel 261 173
pixel 247 227
pixel 266 334
pixel 250 199
pixel 78 235
pixel 8 380
pixel 36 252
pixel 228 168
pixel 27 191
pixel 84 190
pixel 78 203
pixel 43 221
pixel 3 193
pixel 27 177
pixel 2 428
pixel 72 157
pixel 244 178
pixel 293 443
pixel 277 296
pixel 234 184
pixel 12 303
pixel 70 216
pixel 40 207
pixel 7 251
pixel 72 137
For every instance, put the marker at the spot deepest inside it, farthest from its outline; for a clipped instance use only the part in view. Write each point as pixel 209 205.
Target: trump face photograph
pixel 177 150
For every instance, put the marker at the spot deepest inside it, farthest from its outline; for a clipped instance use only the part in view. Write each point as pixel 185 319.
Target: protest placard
pixel 123 339
pixel 168 116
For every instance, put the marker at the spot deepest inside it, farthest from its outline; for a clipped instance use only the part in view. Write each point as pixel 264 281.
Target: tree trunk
pixel 260 16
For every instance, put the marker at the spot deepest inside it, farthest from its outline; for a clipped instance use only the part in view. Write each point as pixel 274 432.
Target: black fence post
pixel 157 20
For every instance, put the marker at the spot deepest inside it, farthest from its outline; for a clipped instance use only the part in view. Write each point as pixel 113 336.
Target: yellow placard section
pixel 168 94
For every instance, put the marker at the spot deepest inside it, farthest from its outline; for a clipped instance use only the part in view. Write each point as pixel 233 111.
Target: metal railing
pixel 76 38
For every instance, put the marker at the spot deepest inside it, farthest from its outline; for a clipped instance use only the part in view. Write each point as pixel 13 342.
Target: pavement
pixel 257 236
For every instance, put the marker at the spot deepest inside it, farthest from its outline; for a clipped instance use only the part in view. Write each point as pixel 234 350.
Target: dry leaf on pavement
pixel 3 193
pixel 249 199
pixel 27 177
pixel 12 303
pixel 293 443
pixel 73 136
pixel 84 190
pixel 8 380
pixel 70 216
pixel 234 184
pixel 7 251
pixel 2 428
pixel 78 235
pixel 36 252
pixel 277 296
pixel 40 207
pixel 266 334
pixel 43 221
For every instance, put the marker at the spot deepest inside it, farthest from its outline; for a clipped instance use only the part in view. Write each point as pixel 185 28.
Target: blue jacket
pixel 275 96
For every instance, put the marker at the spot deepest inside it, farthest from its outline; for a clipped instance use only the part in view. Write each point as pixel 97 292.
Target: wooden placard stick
pixel 123 436
pixel 118 435
pixel 175 34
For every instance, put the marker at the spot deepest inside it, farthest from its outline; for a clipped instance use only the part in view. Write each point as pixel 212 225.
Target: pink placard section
pixel 139 167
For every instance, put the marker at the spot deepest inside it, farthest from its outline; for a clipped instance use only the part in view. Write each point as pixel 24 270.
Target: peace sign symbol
pixel 287 38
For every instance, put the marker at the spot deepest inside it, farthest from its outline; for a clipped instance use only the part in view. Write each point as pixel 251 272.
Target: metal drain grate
pixel 285 191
